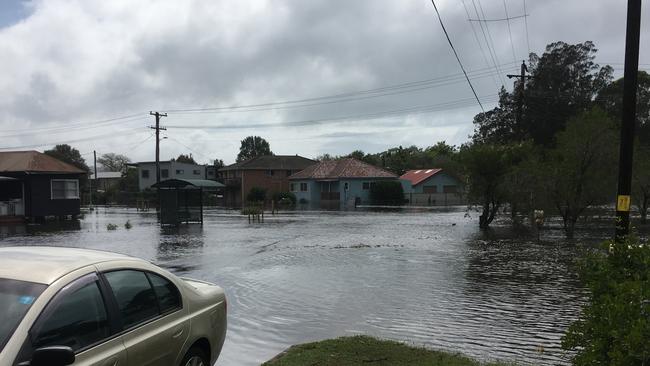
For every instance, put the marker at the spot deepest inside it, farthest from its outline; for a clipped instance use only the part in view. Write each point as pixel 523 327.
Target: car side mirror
pixel 53 356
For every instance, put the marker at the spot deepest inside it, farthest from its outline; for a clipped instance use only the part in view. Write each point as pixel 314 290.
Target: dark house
pixel 270 173
pixel 34 185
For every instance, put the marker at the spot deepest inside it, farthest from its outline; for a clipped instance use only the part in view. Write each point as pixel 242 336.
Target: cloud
pixel 69 63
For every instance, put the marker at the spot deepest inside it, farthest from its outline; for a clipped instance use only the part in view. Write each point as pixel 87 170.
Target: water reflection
pixel 177 243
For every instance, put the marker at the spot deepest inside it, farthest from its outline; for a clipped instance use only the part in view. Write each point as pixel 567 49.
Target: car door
pixel 77 317
pixel 154 323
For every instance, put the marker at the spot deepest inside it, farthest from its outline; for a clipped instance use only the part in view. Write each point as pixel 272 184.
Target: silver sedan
pixel 64 306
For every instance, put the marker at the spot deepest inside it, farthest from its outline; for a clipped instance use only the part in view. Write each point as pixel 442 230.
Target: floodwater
pixel 430 278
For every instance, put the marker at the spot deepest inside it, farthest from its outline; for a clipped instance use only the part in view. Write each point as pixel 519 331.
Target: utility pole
pixel 158 128
pixel 96 180
pixel 520 93
pixel 630 82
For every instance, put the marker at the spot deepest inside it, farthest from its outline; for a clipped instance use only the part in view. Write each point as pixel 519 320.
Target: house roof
pixel 34 161
pixel 419 175
pixel 342 168
pixel 106 175
pixel 279 162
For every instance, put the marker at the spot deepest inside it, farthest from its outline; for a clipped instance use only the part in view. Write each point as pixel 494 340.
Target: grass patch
pixel 368 351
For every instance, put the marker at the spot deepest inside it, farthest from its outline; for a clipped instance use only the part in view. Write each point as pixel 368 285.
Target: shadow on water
pixel 178 243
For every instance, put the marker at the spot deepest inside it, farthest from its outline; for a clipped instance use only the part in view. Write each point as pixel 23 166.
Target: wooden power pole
pixel 158 129
pixel 630 81
pixel 522 84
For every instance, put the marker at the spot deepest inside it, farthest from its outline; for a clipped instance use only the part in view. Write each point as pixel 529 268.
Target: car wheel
pixel 195 357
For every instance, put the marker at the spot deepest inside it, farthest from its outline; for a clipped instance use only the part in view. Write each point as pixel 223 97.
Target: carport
pixel 181 200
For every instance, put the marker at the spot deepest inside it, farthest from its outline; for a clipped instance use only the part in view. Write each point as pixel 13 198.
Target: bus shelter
pixel 181 200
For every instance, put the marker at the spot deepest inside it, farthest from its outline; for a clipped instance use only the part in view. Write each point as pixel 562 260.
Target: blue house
pixel 337 184
pixel 432 187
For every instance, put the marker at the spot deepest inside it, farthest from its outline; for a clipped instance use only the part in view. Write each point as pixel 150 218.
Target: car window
pixel 76 319
pixel 167 294
pixel 134 295
pixel 16 297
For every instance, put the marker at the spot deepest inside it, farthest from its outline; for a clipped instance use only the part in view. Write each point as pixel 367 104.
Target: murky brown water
pixel 429 278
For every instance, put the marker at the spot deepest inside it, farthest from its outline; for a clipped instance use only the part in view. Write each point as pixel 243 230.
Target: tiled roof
pixel 342 168
pixel 420 175
pixel 279 162
pixel 34 161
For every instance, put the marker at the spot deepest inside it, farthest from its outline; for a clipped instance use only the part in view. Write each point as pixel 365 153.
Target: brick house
pixel 270 173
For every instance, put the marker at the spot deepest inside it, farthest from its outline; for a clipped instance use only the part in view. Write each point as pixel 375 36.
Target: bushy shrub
pixel 387 193
pixel 614 327
pixel 285 198
pixel 256 194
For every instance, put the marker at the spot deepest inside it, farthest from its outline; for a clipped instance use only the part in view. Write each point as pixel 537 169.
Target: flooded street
pixel 430 278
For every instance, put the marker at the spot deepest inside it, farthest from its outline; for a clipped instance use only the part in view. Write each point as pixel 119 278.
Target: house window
pixel 65 189
pixel 197 172
pixel 450 189
pixel 365 185
pixel 289 173
pixel 430 189
pixel 270 173
pixel 164 173
pixel 145 173
pixel 303 187
pixel 292 187
pixel 180 171
pixel 211 173
pixel 345 186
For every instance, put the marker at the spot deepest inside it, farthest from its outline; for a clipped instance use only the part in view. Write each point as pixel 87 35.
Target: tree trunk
pixel 644 209
pixel 489 212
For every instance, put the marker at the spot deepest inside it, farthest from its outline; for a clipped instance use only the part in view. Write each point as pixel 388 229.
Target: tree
pixel 68 154
pixel 256 194
pixel 611 100
pixel 357 154
pixel 565 80
pixel 218 163
pixel 486 167
pixel 252 147
pixel 113 162
pixel 641 180
pixel 581 169
pixel 187 159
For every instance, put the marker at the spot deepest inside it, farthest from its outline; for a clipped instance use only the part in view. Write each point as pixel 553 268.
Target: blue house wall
pixel 354 192
pixel 439 181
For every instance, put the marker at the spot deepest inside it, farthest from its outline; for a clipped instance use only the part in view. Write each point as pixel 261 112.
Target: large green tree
pixel 68 154
pixel 253 146
pixel 581 169
pixel 187 159
pixel 564 82
pixel 610 99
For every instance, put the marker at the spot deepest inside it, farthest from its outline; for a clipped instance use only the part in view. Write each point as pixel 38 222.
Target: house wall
pixel 175 170
pixel 439 181
pixel 273 181
pixel 38 197
pixel 348 198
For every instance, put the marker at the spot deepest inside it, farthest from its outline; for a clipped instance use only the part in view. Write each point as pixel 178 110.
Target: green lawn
pixel 367 351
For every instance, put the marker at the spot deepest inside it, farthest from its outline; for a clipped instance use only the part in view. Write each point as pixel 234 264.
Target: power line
pixel 66 129
pixel 512 45
pixel 90 138
pixel 487 44
pixel 78 124
pixel 487 28
pixel 479 43
pixel 526 26
pixel 507 18
pixel 456 54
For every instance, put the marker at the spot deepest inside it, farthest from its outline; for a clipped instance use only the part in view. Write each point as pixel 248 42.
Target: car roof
pixel 43 264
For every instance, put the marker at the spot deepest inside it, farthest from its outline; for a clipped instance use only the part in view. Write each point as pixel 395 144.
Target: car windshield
pixel 16 297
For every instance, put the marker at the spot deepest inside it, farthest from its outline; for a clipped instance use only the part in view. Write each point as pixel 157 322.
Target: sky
pixel 311 77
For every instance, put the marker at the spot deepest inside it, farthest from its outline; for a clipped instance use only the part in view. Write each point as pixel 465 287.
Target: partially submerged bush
pixel 111 227
pixel 387 193
pixel 128 225
pixel 286 198
pixel 256 194
pixel 614 327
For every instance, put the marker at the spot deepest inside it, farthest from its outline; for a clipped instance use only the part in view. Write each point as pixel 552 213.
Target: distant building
pixel 105 180
pixel 338 183
pixel 270 173
pixel 432 187
pixel 35 185
pixel 171 170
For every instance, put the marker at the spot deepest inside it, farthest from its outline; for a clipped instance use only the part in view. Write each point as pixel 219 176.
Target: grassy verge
pixel 363 350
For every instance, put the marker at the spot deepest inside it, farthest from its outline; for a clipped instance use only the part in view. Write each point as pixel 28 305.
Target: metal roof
pixel 47 264
pixel 189 183
pixel 34 162
pixel 279 162
pixel 419 175
pixel 342 168
pixel 106 175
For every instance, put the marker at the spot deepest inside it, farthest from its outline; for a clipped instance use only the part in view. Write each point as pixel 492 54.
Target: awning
pixel 206 185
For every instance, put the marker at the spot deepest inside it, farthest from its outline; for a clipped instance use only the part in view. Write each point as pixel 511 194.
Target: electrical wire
pixel 512 45
pixel 478 42
pixel 496 56
pixel 456 54
pixel 526 25
pixel 487 43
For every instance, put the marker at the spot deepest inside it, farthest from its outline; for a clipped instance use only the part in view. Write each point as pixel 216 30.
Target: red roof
pixel 420 175
pixel 342 168
pixel 34 161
